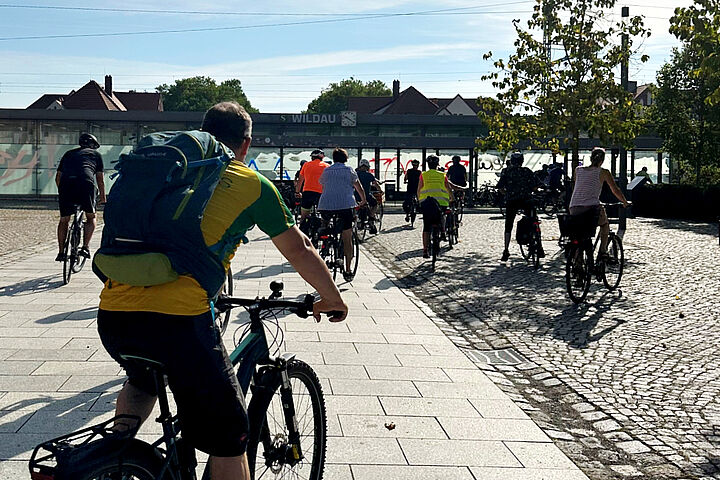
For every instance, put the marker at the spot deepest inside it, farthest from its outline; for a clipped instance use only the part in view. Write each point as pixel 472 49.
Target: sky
pixel 284 52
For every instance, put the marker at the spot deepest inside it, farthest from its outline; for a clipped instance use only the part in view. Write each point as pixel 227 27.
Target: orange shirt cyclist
pixel 308 184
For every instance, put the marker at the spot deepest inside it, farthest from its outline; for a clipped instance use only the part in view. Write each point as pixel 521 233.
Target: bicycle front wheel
pixel 578 272
pixel 269 447
pixel 76 241
pixel 614 263
pixel 356 253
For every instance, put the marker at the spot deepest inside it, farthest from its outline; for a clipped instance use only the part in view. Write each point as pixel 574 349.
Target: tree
pixel 686 107
pixel 334 98
pixel 197 94
pixel 547 101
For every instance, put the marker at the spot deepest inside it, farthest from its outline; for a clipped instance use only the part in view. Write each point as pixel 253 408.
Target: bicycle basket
pixel 67 457
pixel 579 227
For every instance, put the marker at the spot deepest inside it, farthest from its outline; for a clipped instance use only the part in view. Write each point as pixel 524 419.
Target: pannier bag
pixel 154 210
pixel 525 229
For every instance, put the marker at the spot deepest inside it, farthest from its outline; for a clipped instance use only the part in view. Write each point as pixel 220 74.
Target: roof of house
pixel 151 101
pixel 412 101
pixel 92 96
pixel 45 101
pixel 641 89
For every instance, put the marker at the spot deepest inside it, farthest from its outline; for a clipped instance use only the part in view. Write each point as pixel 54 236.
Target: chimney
pixel 396 89
pixel 108 85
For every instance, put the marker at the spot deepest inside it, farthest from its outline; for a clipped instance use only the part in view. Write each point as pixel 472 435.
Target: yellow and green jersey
pixel 243 198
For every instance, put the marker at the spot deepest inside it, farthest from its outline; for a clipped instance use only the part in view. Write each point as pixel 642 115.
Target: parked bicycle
pixel 288 426
pixel 73 262
pixel 332 250
pixel 584 258
pixel 551 201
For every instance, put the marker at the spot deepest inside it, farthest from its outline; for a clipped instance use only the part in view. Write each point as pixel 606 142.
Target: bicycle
pixel 551 201
pixel 530 250
pixel 365 222
pixel 452 224
pixel 459 194
pixel 584 258
pixel 73 262
pixel 283 438
pixel 379 211
pixel 311 225
pixel 332 250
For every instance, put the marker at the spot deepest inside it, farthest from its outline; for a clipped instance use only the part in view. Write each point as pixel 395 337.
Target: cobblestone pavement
pixel 627 383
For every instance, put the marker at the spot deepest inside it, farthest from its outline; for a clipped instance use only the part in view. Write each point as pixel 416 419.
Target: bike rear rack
pixel 49 458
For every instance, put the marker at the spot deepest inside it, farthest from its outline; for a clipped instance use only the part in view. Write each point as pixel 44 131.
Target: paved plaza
pixel 390 362
pixel 627 383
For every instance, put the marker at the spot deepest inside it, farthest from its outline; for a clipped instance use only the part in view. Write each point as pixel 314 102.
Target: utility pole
pixel 624 81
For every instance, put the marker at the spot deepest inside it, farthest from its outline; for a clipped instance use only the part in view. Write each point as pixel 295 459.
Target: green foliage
pixel 334 98
pixel 686 110
pixel 549 102
pixel 197 94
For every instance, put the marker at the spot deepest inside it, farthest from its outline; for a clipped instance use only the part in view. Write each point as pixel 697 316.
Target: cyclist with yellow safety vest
pixel 434 195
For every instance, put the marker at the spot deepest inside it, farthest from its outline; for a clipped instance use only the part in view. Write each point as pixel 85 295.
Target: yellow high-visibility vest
pixel 434 186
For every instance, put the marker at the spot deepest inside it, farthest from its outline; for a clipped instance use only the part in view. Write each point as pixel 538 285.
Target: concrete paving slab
pixel 458 452
pixel 374 472
pixel 389 426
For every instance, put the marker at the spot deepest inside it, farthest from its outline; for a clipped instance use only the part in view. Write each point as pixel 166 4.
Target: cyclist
pixel 368 180
pixel 79 171
pixel 586 194
pixel 308 186
pixel 173 323
pixel 412 178
pixel 434 192
pixel 457 174
pixel 517 184
pixel 338 182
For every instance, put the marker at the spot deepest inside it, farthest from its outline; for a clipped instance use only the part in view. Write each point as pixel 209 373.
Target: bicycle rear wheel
pixel 356 253
pixel 379 217
pixel 613 263
pixel 535 251
pixel 578 272
pixel 227 291
pixel 138 461
pixel 413 213
pixel 67 261
pixel 338 257
pixel 76 240
pixel 269 450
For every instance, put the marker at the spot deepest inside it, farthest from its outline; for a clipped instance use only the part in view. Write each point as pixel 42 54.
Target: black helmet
pixel 432 161
pixel 88 140
pixel 317 154
pixel 517 158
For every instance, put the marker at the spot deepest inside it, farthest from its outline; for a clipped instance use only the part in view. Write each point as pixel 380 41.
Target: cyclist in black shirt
pixel 457 174
pixel 368 180
pixel 517 183
pixel 79 171
pixel 412 178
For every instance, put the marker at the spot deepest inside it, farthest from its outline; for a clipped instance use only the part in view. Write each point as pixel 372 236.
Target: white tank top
pixel 587 187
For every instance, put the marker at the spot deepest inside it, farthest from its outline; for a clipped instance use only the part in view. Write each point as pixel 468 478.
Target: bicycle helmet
pixel 517 158
pixel 88 140
pixel 364 163
pixel 432 161
pixel 416 162
pixel 317 154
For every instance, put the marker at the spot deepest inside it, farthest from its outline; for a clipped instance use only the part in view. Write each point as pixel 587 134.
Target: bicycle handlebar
pixel 301 309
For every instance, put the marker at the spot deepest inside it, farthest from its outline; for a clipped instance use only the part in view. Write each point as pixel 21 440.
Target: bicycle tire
pixel 227 291
pixel 338 257
pixel 67 261
pixel 271 417
pixel 460 211
pixel 616 255
pixel 578 272
pixel 363 230
pixel 139 460
pixel 379 216
pixel 413 214
pixel 450 229
pixel 434 245
pixel 535 253
pixel 356 252
pixel 78 230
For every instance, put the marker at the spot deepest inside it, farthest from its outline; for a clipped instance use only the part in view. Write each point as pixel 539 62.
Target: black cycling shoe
pixel 373 229
pixel 348 276
pixel 505 256
pixel 60 257
pixel 84 252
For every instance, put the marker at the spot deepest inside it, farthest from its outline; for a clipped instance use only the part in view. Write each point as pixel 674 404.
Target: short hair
pixel 456 157
pixel 340 155
pixel 432 160
pixel 229 123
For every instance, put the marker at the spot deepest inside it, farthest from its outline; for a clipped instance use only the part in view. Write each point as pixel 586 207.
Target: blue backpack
pixel 154 209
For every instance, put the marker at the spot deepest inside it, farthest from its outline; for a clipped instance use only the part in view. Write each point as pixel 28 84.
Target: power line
pixel 248 27
pixel 244 14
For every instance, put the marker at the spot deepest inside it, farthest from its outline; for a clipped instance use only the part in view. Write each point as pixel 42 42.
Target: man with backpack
pixel 173 224
pixel 517 184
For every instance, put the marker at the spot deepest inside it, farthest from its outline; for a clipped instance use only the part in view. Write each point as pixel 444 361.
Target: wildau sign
pixel 309 118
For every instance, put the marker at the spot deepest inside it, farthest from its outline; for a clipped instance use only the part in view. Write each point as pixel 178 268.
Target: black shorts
pixel 345 217
pixel 309 200
pixel 511 210
pixel 209 401
pixel 432 213
pixel 76 192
